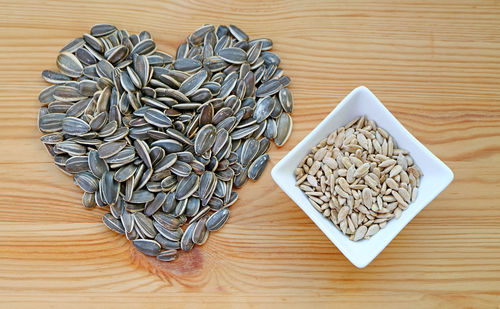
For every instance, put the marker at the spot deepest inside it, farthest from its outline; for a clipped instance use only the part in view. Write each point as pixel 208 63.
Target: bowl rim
pixel 340 243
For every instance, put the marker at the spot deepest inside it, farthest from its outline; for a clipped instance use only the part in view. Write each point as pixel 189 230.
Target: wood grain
pixel 434 64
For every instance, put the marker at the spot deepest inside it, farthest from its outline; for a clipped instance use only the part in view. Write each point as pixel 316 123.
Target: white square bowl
pixel 436 175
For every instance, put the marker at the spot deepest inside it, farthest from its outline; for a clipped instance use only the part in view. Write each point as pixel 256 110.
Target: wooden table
pixel 436 67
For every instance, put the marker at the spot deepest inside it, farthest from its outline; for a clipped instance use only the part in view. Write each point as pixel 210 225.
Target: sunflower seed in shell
pixel 177 135
pixel 192 207
pixel 284 125
pixel 168 221
pixel 117 54
pixel 233 55
pixel 205 138
pixel 97 165
pixel 144 224
pixel 51 122
pixel 167 255
pixel 126 82
pixel 109 187
pixel 117 208
pixel 170 234
pixel 166 162
pixel 186 240
pixel 74 126
pixel 238 33
pixel 147 246
pixel 67 94
pixel 141 196
pixel 113 224
pixel 286 100
pixel 192 83
pixel 249 150
pixel 268 88
pixel 187 186
pixel 244 132
pixel 55 77
pixel 264 108
pixel 88 200
pixel 167 243
pixel 77 164
pixel 69 65
pixel 187 65
pixel 127 220
pixel 181 169
pixel 109 149
pixel 46 96
pixel 168 183
pixel 144 47
pixel 70 147
pixel 199 231
pixel 185 156
pixel 142 149
pixel 217 219
pixel 180 208
pixel 271 129
pixel 73 45
pixel 156 204
pixel 108 129
pixel 105 70
pixel 258 166
pixel 86 181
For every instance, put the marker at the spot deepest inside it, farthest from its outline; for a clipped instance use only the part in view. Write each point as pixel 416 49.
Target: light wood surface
pixel 434 64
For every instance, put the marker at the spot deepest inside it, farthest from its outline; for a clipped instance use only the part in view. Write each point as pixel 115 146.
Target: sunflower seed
pixel 258 166
pixel 109 149
pixel 233 55
pixel 144 47
pixel 74 126
pixel 72 46
pixel 199 232
pixel 167 255
pixel 192 83
pixel 205 138
pixel 264 108
pixel 268 88
pixel 238 33
pixel 147 246
pixel 187 186
pixel 86 181
pixel 217 220
pixel 77 164
pixel 142 149
pixel 141 196
pixel 113 224
pixel 286 100
pixel 55 77
pixel 167 243
pixel 186 240
pixel 284 129
pixel 69 65
pixel 51 122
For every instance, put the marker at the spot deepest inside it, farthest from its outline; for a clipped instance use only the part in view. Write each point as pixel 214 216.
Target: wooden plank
pixel 434 64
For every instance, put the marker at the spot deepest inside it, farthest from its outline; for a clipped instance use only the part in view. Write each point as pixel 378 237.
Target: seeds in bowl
pixel 359 179
pixel 164 140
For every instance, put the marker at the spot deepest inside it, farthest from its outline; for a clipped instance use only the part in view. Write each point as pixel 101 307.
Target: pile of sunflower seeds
pixel 359 178
pixel 163 141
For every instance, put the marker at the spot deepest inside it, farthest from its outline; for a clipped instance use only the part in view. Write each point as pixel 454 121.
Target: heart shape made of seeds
pixel 161 140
